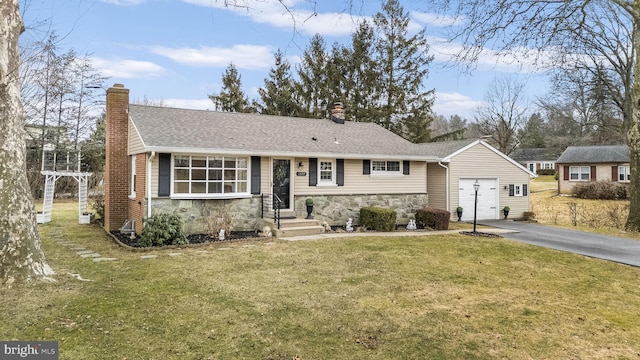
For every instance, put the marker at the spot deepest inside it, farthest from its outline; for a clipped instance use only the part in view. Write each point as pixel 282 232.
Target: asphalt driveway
pixel 621 250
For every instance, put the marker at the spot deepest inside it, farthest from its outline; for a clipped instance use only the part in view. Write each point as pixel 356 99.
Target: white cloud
pixel 126 68
pixel 249 57
pixel 448 104
pixel 288 15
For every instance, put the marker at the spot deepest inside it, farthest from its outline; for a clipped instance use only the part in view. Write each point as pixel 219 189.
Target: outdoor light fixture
pixel 476 186
pixel 300 165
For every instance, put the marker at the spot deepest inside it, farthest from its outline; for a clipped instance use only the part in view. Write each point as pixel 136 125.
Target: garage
pixel 487 198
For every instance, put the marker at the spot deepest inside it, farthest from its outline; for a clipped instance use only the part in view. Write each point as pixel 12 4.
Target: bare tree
pixel 503 113
pixel 513 26
pixel 21 256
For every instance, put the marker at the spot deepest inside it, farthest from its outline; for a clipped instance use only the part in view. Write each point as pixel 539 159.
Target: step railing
pixel 271 202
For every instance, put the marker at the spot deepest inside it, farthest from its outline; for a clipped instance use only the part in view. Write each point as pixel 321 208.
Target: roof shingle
pixel 595 154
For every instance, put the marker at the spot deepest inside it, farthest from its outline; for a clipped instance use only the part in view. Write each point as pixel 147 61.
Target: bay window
pixel 209 176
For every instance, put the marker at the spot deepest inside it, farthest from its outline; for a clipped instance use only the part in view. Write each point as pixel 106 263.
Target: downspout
pixel 148 175
pixel 447 184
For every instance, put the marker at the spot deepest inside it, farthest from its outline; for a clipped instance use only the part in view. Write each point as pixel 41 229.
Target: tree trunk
pixel 21 257
pixel 633 136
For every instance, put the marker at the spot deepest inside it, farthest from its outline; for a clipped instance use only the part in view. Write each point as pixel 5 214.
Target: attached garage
pixel 503 182
pixel 487 199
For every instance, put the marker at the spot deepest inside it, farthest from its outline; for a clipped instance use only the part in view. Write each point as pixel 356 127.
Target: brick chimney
pixel 337 113
pixel 116 174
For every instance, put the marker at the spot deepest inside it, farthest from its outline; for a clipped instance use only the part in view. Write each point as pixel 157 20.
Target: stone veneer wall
pixel 195 213
pixel 337 209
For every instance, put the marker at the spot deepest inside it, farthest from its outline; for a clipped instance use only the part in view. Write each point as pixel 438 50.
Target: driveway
pixel 613 248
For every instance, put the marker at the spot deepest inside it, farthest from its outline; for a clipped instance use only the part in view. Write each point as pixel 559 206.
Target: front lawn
pixel 427 297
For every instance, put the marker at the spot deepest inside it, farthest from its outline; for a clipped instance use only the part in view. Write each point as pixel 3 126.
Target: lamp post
pixel 476 186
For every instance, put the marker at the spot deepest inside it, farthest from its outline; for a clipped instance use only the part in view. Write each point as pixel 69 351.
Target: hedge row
pixel 433 218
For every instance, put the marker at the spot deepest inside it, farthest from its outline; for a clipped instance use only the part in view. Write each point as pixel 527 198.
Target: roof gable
pixel 595 154
pixel 184 130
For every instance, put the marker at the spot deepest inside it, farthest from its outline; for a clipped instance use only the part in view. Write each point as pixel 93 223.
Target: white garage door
pixel 487 198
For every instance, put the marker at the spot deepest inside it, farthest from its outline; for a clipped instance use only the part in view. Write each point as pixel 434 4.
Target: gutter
pixel 446 185
pixel 148 175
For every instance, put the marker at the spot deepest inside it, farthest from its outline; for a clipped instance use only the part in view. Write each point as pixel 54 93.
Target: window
pixel 624 174
pixel 532 167
pixel 385 167
pixel 547 165
pixel 326 170
pixel 517 191
pixel 132 185
pixel 209 176
pixel 579 173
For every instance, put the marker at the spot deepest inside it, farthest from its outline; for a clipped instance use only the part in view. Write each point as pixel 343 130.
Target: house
pixel 592 163
pixel 503 182
pixel 536 159
pixel 194 162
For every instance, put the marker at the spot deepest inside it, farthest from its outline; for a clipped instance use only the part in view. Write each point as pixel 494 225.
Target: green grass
pixel 428 297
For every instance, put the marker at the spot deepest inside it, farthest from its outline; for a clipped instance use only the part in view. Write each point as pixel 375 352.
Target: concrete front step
pixel 296 227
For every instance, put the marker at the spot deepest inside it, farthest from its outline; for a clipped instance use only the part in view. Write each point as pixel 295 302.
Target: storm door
pixel 282 181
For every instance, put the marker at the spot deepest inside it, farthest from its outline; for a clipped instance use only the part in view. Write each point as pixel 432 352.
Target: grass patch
pixel 353 298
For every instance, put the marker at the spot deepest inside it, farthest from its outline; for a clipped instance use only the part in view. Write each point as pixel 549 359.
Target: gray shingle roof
pixel 535 154
pixel 595 154
pixel 184 130
pixel 443 149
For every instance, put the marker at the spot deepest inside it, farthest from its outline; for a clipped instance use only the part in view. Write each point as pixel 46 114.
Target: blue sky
pixel 177 50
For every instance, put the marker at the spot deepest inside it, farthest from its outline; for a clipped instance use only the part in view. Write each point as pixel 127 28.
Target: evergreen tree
pixel 231 97
pixel 313 87
pixel 403 61
pixel 533 133
pixel 278 96
pixel 361 83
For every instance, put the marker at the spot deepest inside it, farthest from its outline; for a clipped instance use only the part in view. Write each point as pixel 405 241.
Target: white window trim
pixel 544 165
pixel 331 182
pixel 517 190
pixel 236 195
pixel 625 173
pixel 387 172
pixel 132 185
pixel 579 173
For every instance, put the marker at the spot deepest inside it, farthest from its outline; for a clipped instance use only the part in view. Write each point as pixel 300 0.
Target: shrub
pixel 163 229
pixel 546 171
pixel 377 218
pixel 220 219
pixel 529 215
pixel 437 219
pixel 601 190
pixel 98 206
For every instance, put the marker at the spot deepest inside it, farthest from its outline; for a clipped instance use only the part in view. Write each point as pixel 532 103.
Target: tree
pixel 532 135
pixel 313 86
pixel 277 95
pixel 231 97
pixel 514 25
pixel 503 114
pixel 21 256
pixel 403 62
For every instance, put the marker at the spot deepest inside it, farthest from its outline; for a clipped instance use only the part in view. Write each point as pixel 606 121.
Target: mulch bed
pixel 478 233
pixel 193 238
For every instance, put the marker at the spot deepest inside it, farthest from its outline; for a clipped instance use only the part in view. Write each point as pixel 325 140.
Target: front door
pixel 282 181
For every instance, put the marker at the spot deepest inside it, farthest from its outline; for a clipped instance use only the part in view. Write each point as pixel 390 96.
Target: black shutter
pixel 255 175
pixel 524 189
pixel 313 171
pixel 164 174
pixel 366 167
pixel 405 167
pixel 340 172
pixel 511 190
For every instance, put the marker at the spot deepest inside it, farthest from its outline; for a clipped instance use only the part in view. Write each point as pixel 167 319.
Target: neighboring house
pixel 194 162
pixel 592 163
pixel 536 159
pixel 503 182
